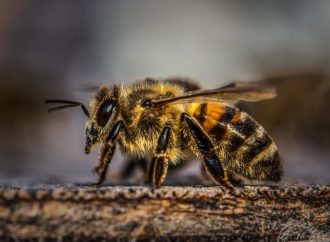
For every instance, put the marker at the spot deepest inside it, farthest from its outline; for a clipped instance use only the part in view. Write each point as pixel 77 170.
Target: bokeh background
pixel 54 49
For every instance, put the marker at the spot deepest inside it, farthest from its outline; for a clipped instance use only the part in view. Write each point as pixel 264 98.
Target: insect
pixel 163 120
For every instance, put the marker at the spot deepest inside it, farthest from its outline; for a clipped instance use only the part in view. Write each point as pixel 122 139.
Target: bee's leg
pixel 107 153
pixel 105 159
pixel 159 162
pixel 211 162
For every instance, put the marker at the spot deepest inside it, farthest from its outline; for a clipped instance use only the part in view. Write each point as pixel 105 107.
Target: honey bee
pixel 164 120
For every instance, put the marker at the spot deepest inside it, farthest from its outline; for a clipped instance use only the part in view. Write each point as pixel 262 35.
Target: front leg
pixel 107 153
pixel 211 162
pixel 159 163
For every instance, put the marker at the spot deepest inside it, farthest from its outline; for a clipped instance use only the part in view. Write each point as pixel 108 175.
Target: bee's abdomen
pixel 216 118
pixel 248 147
pixel 260 157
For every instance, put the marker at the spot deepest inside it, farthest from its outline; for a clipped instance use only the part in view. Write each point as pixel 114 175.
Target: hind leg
pixel 211 161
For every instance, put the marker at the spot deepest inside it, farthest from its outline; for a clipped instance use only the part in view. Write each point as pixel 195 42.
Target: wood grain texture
pixel 124 213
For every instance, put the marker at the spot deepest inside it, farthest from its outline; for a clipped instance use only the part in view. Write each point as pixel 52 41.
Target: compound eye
pixel 104 112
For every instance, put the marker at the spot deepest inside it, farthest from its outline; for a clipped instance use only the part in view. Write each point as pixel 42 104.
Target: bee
pixel 164 120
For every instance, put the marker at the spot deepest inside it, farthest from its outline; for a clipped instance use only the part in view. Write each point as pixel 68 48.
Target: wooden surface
pixel 123 213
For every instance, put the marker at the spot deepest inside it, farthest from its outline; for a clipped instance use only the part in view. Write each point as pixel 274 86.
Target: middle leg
pixel 159 163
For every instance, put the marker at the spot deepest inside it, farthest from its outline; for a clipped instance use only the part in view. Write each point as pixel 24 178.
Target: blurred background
pixel 53 49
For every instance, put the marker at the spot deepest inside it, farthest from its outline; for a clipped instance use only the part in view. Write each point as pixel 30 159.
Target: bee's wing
pixel 230 94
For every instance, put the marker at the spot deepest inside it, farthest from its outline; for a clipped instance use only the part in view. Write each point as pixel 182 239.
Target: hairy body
pixel 149 120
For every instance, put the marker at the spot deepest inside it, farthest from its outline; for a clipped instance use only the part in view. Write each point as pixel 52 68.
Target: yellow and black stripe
pixel 260 157
pixel 202 112
pixel 269 167
pixel 215 117
pixel 243 136
pixel 259 145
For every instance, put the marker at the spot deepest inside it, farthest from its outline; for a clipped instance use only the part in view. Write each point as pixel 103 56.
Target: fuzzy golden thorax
pixel 143 125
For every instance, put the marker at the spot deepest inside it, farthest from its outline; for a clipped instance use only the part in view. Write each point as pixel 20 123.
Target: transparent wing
pixel 230 94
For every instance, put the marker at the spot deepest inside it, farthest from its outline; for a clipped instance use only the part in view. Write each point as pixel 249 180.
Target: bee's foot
pixel 153 188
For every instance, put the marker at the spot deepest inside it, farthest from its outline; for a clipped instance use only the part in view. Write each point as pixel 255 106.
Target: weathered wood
pixel 81 213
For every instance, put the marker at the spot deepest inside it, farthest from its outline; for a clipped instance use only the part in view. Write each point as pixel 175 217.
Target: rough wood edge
pixel 185 213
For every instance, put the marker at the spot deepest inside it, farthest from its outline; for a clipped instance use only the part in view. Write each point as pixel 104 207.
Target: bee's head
pixel 104 112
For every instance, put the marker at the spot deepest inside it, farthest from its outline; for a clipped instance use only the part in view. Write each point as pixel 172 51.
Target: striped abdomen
pixel 243 145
